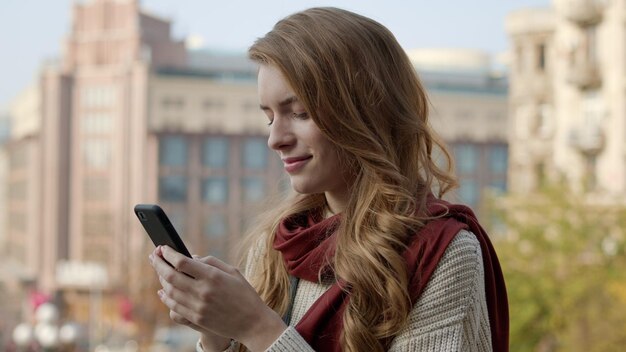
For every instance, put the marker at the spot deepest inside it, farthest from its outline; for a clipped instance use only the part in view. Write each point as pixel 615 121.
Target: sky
pixel 31 31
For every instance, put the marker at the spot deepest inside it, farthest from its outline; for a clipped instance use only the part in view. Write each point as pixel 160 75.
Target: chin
pixel 303 187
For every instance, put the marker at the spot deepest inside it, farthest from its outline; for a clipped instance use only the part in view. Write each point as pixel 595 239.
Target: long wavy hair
pixel 359 87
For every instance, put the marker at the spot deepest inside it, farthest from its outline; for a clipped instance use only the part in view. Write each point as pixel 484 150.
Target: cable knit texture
pixel 450 315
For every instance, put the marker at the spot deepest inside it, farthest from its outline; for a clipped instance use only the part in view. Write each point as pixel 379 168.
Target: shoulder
pixel 451 313
pixel 456 277
pixel 461 261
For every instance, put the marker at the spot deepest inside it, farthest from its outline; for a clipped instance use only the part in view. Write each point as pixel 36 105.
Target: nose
pixel 281 134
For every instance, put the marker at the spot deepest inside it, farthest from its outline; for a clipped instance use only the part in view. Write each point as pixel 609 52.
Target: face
pixel 310 159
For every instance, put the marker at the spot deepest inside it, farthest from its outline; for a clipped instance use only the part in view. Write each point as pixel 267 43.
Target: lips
pixel 296 163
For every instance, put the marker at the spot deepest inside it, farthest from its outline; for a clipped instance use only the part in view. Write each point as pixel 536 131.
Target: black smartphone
pixel 159 228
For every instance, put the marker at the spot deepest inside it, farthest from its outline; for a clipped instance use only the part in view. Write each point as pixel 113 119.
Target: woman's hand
pixel 215 299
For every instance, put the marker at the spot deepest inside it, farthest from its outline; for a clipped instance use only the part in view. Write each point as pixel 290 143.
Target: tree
pixel 563 260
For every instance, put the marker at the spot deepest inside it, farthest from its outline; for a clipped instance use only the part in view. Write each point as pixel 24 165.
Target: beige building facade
pixel 469 111
pixel 568 102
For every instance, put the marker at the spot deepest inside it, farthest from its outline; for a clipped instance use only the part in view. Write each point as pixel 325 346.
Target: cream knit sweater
pixel 450 315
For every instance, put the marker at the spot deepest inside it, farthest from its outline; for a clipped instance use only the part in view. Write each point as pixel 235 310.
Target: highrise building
pixel 123 119
pixel 567 112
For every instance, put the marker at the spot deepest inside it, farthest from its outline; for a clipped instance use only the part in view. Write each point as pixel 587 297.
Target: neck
pixel 335 202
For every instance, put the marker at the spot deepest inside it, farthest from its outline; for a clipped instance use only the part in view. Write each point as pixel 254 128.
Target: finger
pixel 181 310
pixel 216 263
pixel 176 259
pixel 169 274
pixel 184 321
pixel 191 267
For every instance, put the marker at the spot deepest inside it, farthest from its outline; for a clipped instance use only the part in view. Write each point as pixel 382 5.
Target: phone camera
pixel 142 216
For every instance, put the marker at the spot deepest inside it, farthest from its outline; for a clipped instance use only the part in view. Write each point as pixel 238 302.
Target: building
pixel 567 112
pixel 123 119
pixel 469 111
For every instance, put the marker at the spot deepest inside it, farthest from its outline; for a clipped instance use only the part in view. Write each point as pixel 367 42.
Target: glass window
pixel 96 188
pixel 253 189
pixel 255 153
pixel 541 57
pixel 17 190
pixel 97 153
pixel 96 223
pixel 215 152
pixel 498 159
pixel 172 103
pixel 178 217
pixel 96 123
pixel 173 151
pixel 215 190
pixel 468 192
pixel 466 156
pixel 215 225
pixel 17 221
pixel 99 96
pixel 173 188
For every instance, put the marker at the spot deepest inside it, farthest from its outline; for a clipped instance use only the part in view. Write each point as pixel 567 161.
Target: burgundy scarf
pixel 307 242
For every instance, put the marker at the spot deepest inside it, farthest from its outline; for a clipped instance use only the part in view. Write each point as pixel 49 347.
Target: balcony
pixel 585 74
pixel 535 86
pixel 583 12
pixel 589 140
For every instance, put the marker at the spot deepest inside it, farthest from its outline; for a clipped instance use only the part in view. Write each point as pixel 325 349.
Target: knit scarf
pixel 307 243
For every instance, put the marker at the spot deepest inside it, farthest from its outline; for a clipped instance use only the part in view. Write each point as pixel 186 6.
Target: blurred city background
pixel 133 106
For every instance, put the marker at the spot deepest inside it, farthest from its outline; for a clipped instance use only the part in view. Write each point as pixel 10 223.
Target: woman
pixel 363 257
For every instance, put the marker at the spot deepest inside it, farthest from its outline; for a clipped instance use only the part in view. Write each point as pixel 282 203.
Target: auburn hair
pixel 361 90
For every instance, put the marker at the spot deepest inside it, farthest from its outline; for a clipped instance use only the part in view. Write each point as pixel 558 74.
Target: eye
pixel 271 121
pixel 301 116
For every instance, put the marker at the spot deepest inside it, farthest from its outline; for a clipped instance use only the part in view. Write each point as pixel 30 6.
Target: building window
pixel 17 221
pixel 18 157
pixel 255 153
pixel 213 104
pixel 96 188
pixel 468 191
pixel 97 153
pixel 173 103
pixel 253 189
pixel 173 151
pixel 250 106
pixel 498 159
pixel 98 96
pixel 215 152
pixel 541 57
pixel 178 217
pixel 17 190
pixel 519 56
pixel 97 123
pixel 215 225
pixel 96 224
pixel 96 253
pixel 173 188
pixel 466 156
pixel 215 190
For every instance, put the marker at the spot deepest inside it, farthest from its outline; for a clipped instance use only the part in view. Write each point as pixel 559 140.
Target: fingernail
pixel 160 293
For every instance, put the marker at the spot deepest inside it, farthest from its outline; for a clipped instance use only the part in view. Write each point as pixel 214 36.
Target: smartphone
pixel 159 228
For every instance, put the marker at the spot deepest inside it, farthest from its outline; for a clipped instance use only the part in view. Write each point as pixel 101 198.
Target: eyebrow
pixel 285 102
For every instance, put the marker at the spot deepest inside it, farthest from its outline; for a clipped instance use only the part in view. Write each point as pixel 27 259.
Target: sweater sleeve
pixel 451 315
